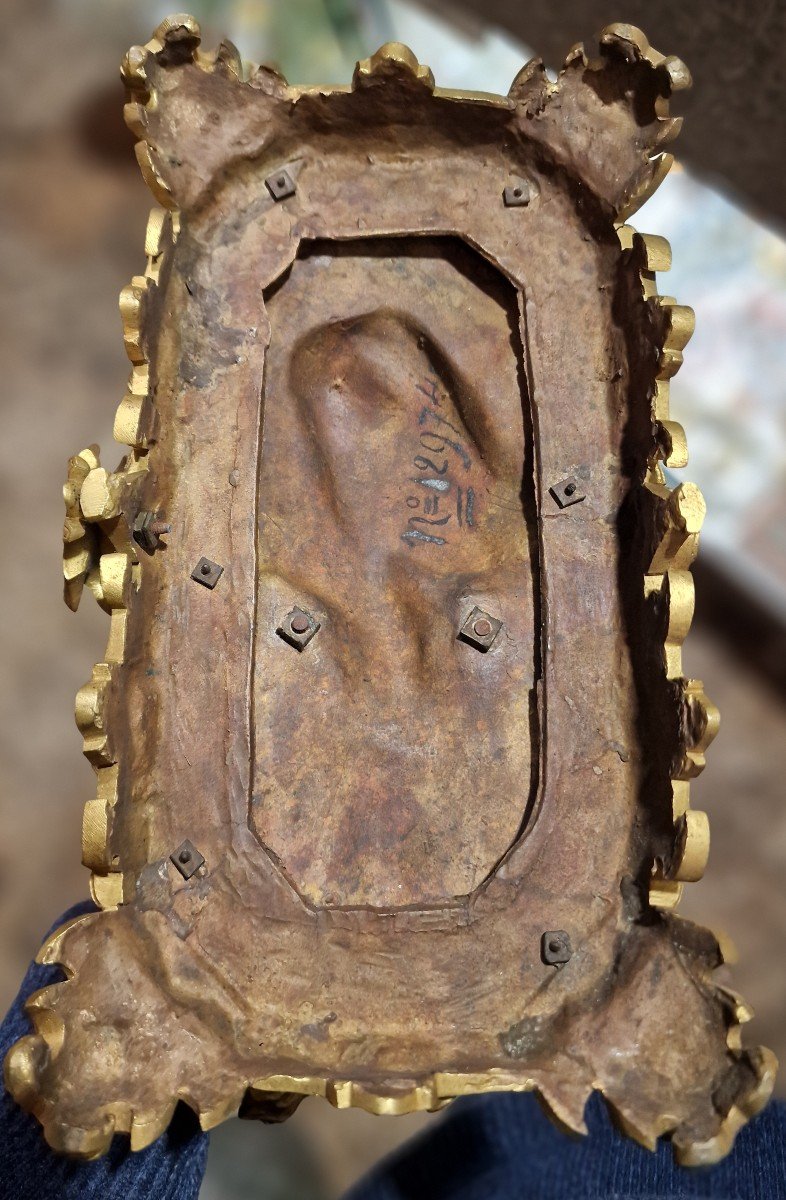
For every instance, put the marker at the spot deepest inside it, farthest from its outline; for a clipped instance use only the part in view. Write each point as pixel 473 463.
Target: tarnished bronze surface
pixel 390 505
pixel 392 739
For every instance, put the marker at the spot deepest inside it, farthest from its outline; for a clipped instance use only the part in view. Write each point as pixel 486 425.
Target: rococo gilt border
pixel 102 550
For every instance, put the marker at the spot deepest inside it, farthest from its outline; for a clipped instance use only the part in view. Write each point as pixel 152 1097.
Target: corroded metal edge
pixel 99 551
pixel 95 515
pixel 177 39
pixel 564 1105
pixel 680 515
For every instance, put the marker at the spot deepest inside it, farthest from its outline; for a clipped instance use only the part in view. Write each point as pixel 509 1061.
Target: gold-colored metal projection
pixel 218 977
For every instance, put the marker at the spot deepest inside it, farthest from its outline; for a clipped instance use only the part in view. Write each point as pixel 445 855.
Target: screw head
pixel 298 628
pixel 567 492
pixel 187 859
pixel 207 573
pixel 280 184
pixel 555 947
pixel 479 629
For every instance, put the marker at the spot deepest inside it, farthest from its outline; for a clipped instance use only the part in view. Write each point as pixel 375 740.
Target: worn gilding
pixel 357 400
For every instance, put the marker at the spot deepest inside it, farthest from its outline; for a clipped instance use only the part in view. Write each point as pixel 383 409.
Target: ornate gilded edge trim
pixel 99 551
pixel 177 40
pixel 565 1107
pixel 680 515
pixel 93 513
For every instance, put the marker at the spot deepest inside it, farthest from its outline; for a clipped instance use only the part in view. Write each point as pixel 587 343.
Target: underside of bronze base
pixel 392 738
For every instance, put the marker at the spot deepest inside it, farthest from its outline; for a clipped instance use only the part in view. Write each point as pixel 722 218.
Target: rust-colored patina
pixel 392 739
pixel 395 389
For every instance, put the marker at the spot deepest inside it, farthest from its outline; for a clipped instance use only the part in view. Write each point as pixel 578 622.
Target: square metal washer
pixel 567 492
pixel 187 859
pixel 479 629
pixel 555 947
pixel 298 628
pixel 207 572
pixel 281 184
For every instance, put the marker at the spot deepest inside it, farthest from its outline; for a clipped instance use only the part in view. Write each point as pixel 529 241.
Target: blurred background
pixel 73 216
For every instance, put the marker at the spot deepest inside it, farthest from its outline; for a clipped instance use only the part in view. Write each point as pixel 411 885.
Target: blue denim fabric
pixel 498 1147
pixel 503 1147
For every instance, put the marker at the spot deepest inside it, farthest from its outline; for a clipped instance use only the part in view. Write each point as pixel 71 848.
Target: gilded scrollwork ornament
pixel 392 737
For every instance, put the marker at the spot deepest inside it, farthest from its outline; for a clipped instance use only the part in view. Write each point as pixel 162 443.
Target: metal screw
pixel 517 194
pixel 148 529
pixel 280 184
pixel 298 628
pixel 567 492
pixel 479 629
pixel 207 573
pixel 187 859
pixel 555 947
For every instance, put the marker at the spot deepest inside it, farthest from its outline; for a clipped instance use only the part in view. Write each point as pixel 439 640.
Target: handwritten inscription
pixel 441 500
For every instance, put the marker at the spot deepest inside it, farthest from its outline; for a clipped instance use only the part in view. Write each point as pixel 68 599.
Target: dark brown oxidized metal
pixel 555 947
pixel 280 184
pixel 357 399
pixel 148 531
pixel 187 859
pixel 298 628
pixel 480 629
pixel 207 573
pixel 567 492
